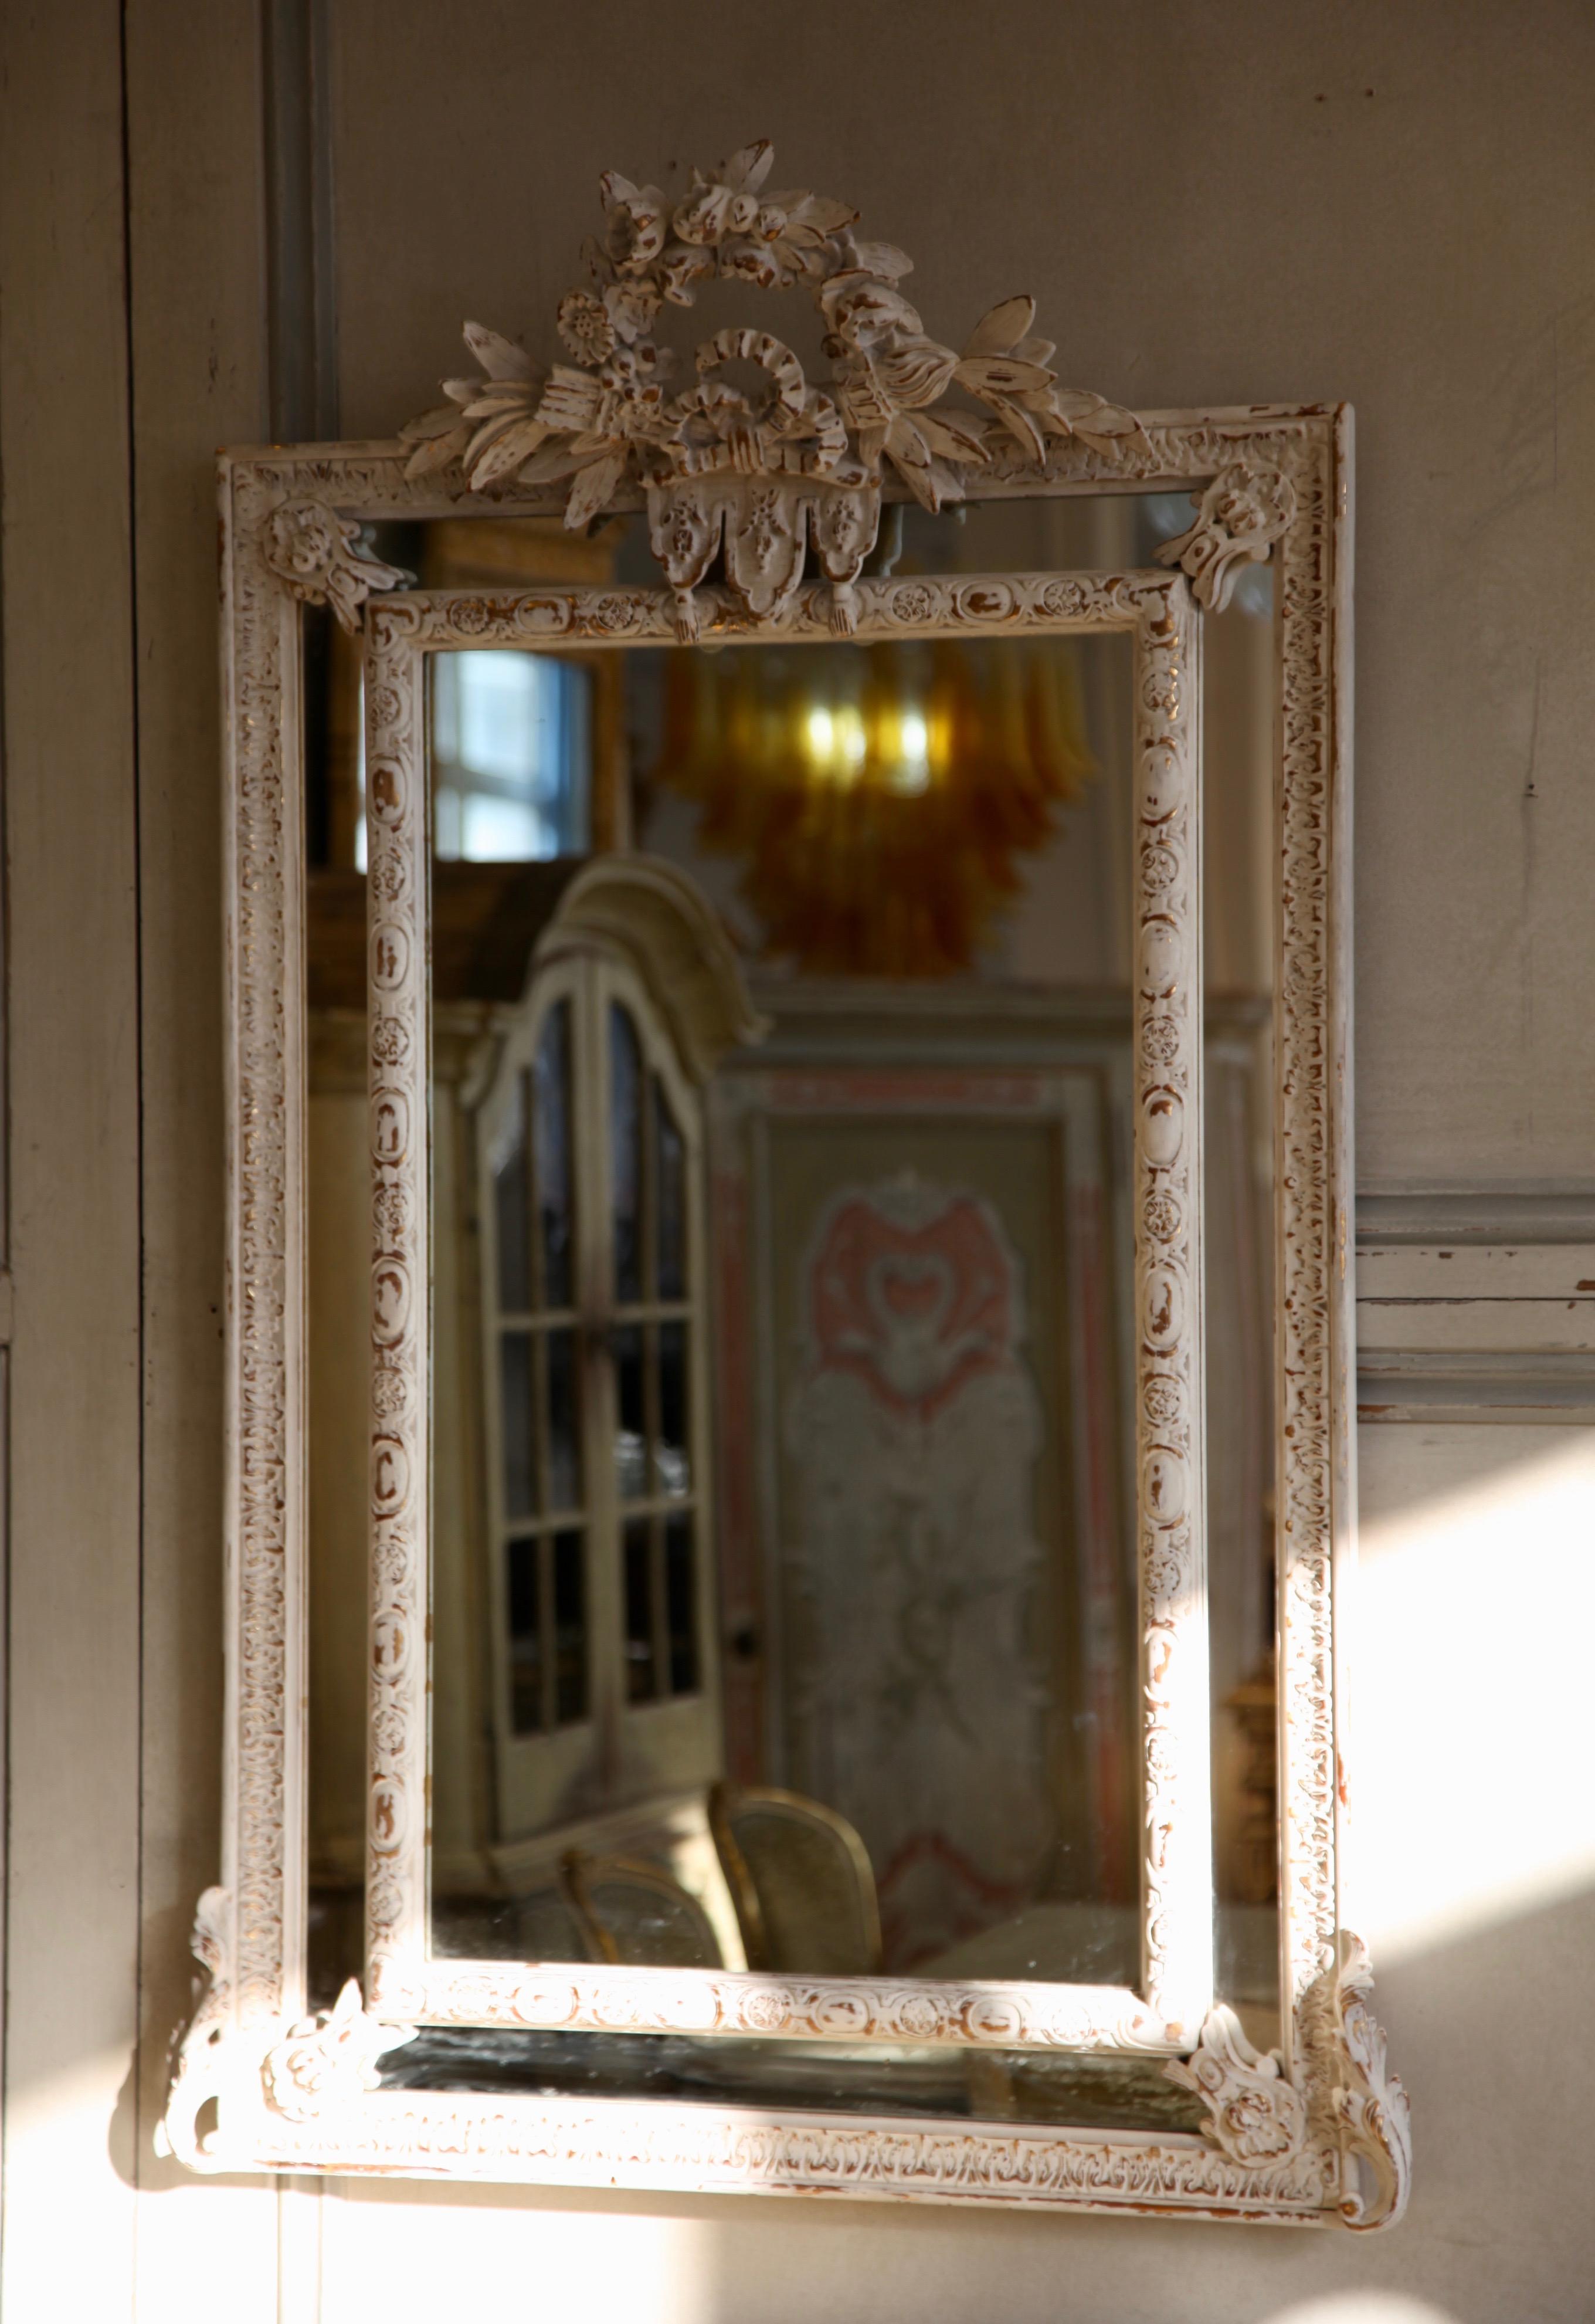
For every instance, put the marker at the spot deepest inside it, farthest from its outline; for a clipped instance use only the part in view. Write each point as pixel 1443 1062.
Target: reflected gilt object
pixel 800 1880
pixel 881 829
pixel 632 1914
pixel 1255 1704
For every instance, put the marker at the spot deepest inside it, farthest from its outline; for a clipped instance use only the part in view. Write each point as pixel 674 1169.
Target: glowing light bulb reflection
pixel 896 747
pixel 835 744
pixel 912 774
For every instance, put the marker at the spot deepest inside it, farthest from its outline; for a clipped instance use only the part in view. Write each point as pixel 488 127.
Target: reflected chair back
pixel 801 1881
pixel 633 1914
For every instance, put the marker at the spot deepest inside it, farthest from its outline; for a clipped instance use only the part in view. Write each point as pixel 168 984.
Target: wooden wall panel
pixel 195 235
pixel 71 861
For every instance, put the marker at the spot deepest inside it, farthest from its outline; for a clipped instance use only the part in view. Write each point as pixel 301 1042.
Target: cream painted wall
pixel 1212 206
pixel 1211 209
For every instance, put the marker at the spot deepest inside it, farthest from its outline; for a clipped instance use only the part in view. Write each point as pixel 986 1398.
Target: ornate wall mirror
pixel 790 1328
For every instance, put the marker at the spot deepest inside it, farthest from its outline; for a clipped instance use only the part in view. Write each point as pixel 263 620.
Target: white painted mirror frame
pixel 1314 2132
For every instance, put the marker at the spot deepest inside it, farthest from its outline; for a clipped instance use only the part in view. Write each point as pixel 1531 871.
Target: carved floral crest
pixel 768 470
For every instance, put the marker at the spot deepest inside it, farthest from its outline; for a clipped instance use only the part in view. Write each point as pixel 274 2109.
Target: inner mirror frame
pixel 1314 2132
pixel 404 1982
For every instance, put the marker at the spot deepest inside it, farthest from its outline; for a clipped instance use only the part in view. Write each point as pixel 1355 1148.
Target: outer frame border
pixel 300 2096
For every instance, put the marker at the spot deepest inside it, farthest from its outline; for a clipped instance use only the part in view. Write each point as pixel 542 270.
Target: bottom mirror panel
pixel 798 2077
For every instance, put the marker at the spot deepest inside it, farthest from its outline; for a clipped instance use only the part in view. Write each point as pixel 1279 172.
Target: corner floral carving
pixel 1370 2105
pixel 1239 516
pixel 318 558
pixel 1257 2118
pixel 768 470
pixel 329 2060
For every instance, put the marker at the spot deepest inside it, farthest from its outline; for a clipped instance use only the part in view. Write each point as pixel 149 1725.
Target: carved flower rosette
pixel 771 471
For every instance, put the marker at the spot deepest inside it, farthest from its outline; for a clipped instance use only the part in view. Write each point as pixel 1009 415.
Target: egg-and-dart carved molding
pixel 251 1931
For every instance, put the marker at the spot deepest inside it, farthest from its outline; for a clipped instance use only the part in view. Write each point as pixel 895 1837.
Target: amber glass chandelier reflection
pixel 879 799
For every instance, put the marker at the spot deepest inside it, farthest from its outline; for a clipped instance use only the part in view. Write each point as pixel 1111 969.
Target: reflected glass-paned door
pixel 604 1662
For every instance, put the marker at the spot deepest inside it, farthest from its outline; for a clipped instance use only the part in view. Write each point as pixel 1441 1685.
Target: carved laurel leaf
pixel 439 438
pixel 1021 422
pixel 883 258
pixel 911 457
pixel 814 214
pixel 513 446
pixel 1000 331
pixel 549 462
pixel 570 400
pixel 487 436
pixel 999 375
pixel 915 373
pixel 430 424
pixel 499 358
pixel 748 167
pixel 591 488
pixel 501 398
pixel 953 437
pixel 1097 422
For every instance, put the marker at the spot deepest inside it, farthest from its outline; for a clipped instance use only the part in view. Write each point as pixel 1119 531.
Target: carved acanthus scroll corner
pixel 1257 2118
pixel 321 558
pixel 769 472
pixel 1371 2106
pixel 1260 2119
pixel 1238 518
pixel 198 2054
pixel 318 2065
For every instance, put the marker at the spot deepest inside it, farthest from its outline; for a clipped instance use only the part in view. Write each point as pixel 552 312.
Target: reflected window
pixel 539 1393
pixel 511 757
pixel 594 1333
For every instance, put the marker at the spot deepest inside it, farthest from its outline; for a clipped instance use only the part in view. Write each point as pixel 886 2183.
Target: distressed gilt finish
pixel 1322 2136
pixel 1176 1983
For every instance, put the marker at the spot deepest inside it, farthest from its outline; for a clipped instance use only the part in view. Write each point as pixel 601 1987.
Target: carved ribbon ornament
pixel 765 472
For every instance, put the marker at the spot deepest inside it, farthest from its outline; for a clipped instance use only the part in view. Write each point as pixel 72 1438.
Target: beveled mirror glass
pixel 790 1214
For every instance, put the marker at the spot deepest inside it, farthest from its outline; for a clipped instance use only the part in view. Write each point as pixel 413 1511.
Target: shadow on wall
pixel 1474 1880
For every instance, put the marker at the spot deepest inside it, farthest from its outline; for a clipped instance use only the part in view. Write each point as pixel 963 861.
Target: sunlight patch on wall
pixel 1470 1727
pixel 1363 2308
